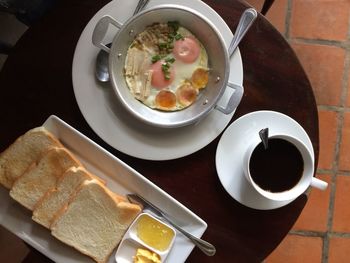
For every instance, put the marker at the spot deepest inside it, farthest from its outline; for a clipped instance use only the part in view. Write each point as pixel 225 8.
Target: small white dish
pixel 131 242
pixel 232 146
pixel 113 124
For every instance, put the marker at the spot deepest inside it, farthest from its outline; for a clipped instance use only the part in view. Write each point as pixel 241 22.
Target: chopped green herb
pixel 165 48
pixel 162 45
pixel 166 71
pixel 174 25
pixel 178 36
pixel 170 60
pixel 165 66
pixel 155 58
pixel 172 35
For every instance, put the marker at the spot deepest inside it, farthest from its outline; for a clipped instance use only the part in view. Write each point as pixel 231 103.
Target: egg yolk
pixel 186 94
pixel 158 76
pixel 165 100
pixel 186 50
pixel 200 78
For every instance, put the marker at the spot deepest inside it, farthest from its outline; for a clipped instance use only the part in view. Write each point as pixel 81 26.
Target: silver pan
pixel 208 35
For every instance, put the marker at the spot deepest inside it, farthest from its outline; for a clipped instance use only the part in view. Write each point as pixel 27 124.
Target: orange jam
pixel 154 233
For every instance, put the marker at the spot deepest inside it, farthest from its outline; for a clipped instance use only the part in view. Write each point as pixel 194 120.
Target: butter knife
pixel 205 246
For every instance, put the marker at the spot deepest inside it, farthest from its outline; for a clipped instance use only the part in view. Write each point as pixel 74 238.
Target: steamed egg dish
pixel 166 66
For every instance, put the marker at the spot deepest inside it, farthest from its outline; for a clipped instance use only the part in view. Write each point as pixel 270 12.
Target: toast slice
pixel 56 198
pixel 27 149
pixel 94 221
pixel 29 188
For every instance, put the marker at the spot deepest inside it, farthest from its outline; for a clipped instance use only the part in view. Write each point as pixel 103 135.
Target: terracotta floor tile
pixel 315 19
pixel 328 132
pixel 296 249
pixel 257 4
pixel 315 214
pixel 341 216
pixel 277 15
pixel 324 66
pixel 344 157
pixel 347 102
pixel 338 250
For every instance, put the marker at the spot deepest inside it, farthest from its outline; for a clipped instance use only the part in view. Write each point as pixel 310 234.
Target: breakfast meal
pixel 166 67
pixel 74 204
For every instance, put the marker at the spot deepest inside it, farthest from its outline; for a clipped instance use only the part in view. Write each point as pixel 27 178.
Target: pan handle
pixel 234 100
pixel 100 31
pixel 245 22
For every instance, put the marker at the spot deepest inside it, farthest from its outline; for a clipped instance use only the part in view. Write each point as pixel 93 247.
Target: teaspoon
pixel 264 136
pixel 245 22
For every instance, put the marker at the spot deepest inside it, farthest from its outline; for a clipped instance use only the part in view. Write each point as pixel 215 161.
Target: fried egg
pixel 166 67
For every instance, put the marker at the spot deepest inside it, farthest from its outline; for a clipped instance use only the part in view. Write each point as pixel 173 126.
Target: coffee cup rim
pixel 305 179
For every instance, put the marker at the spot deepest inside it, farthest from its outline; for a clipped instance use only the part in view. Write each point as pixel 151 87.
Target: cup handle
pixel 319 184
pixel 101 30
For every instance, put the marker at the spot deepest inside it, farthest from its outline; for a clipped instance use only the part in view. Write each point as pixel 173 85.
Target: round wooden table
pixel 36 81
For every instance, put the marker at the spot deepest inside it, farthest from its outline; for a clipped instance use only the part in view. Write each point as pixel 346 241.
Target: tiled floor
pixel 319 32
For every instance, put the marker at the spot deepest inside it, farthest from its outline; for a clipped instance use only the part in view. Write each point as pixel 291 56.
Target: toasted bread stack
pixel 25 151
pixel 102 222
pixel 74 204
pixel 42 176
pixel 57 198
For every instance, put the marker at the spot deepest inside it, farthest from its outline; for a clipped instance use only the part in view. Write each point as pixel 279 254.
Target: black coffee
pixel 278 168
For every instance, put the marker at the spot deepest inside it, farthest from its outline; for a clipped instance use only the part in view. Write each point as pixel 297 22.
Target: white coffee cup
pixel 307 178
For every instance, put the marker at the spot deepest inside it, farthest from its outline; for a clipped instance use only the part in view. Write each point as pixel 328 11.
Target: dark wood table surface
pixel 36 82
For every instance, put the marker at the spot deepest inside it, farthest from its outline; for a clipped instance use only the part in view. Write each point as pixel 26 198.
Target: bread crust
pixel 42 176
pixel 47 207
pixel 93 198
pixel 23 152
pixel 33 168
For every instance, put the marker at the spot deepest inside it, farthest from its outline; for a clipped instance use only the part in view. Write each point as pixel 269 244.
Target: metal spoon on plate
pixel 101 70
pixel 245 22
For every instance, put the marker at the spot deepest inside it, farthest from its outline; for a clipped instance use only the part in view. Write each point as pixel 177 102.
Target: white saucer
pixel 231 147
pixel 114 125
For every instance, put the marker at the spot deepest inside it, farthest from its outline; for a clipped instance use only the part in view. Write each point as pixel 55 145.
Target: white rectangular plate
pixel 120 178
